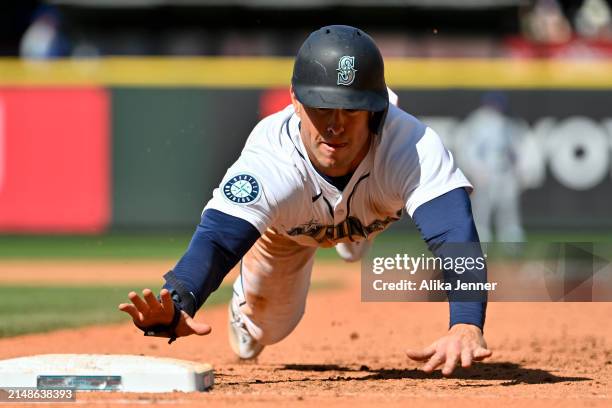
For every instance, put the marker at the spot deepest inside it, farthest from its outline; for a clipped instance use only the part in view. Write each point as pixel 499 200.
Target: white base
pixel 136 373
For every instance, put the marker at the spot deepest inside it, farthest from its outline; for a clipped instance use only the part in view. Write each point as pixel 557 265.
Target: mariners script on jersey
pixel 274 185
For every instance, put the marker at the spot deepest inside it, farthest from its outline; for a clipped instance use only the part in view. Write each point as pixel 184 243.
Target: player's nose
pixel 335 125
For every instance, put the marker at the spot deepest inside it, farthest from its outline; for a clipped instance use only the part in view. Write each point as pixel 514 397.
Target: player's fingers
pixel 152 301
pixel 131 310
pixel 466 358
pixel 453 355
pixel 481 353
pixel 190 326
pixel 139 303
pixel 199 328
pixel 166 300
pixel 421 355
pixel 434 362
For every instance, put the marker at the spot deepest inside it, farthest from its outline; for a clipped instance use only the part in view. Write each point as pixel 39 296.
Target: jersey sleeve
pixel 447 226
pixel 426 169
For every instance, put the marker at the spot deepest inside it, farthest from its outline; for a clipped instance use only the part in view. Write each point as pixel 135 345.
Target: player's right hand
pixel 148 311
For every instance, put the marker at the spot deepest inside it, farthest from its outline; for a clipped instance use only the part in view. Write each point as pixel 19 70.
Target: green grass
pixel 111 246
pixel 173 245
pixel 32 309
pixel 118 246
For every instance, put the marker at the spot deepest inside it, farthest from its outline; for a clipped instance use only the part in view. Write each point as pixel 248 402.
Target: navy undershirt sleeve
pixel 443 222
pixel 219 242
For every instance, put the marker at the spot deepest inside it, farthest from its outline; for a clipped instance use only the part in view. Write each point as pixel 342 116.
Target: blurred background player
pixel 489 155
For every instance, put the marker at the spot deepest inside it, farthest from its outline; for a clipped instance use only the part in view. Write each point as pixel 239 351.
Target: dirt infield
pixel 348 353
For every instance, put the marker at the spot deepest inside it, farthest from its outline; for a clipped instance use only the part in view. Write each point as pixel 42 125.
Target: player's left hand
pixel 462 345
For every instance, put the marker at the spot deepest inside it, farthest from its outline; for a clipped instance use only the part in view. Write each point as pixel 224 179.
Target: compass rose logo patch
pixel 242 189
pixel 346 70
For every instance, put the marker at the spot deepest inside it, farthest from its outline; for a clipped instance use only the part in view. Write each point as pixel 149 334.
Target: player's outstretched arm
pixel 219 242
pixel 445 222
pixel 148 311
pixel 462 345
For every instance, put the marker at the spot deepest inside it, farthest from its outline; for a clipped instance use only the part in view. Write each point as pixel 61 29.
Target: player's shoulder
pixel 404 144
pixel 401 133
pixel 401 126
pixel 268 129
pixel 267 155
pixel 266 140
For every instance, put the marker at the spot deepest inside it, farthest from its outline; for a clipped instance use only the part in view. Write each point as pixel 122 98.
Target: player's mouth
pixel 333 147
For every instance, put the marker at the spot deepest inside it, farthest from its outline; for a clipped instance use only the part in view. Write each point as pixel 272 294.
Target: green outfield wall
pixel 171 147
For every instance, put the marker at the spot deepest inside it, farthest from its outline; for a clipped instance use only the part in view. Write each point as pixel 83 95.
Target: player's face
pixel 336 140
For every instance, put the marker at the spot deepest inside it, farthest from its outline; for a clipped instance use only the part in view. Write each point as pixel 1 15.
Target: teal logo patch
pixel 346 70
pixel 242 189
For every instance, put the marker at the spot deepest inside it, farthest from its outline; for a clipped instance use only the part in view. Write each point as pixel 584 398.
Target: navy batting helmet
pixel 340 67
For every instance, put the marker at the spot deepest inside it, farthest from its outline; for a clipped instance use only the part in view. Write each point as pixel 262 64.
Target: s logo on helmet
pixel 346 70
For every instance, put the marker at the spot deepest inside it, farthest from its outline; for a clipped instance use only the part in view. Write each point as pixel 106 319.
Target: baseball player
pixel 490 160
pixel 334 168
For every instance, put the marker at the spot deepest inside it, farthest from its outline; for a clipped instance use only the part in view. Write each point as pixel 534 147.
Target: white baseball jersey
pixel 274 185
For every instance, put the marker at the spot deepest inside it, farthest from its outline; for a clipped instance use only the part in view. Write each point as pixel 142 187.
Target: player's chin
pixel 330 162
pixel 336 170
pixel 333 158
